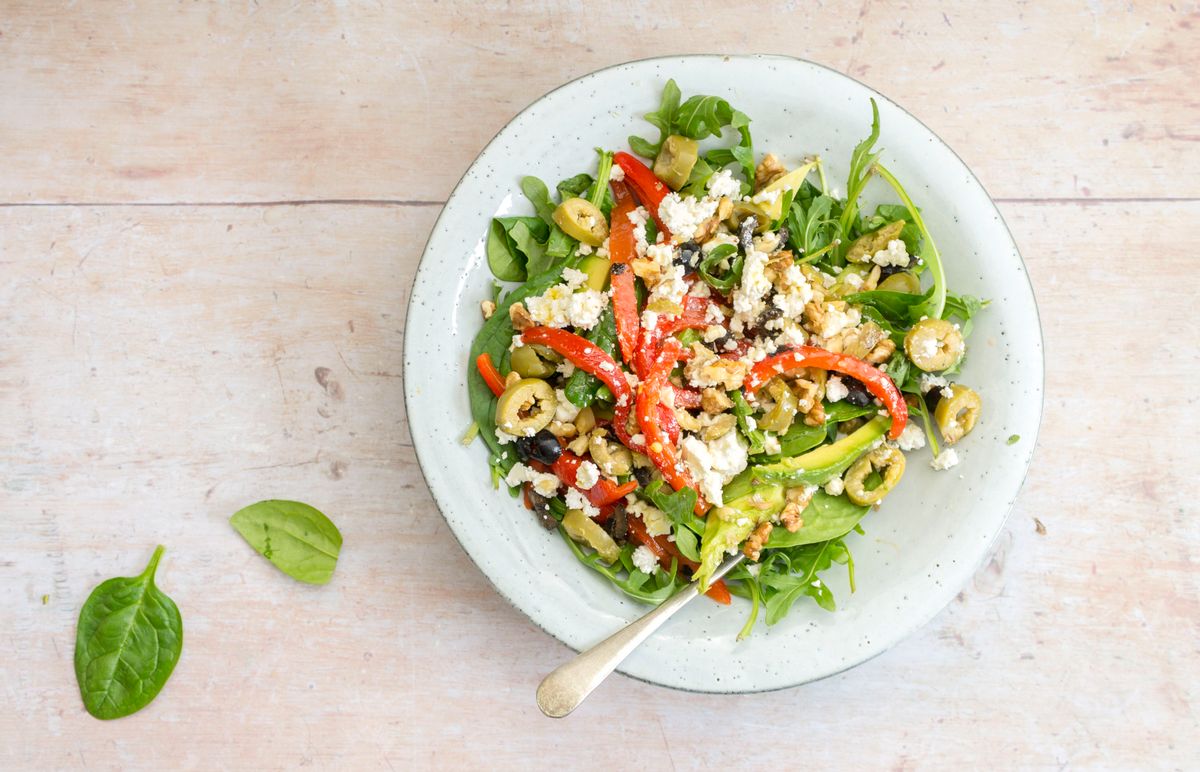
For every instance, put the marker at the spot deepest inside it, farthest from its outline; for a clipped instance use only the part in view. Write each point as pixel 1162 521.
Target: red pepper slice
pixel 491 376
pixel 659 447
pixel 587 356
pixel 876 381
pixel 664 549
pixel 694 316
pixel 603 493
pixel 649 189
pixel 621 251
pixel 688 399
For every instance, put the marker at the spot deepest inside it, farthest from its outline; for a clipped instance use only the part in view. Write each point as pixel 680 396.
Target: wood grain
pixel 162 364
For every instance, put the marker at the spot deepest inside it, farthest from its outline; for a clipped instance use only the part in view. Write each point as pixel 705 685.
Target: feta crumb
pixel 835 487
pixel 683 214
pixel 576 500
pixel 587 475
pixel 837 320
pixel 715 463
pixel 771 444
pixel 835 390
pixel 639 217
pixel 748 297
pixel 656 521
pixel 671 286
pixel 723 184
pixel 912 438
pixel 644 559
pixel 766 197
pixel 503 437
pixel 895 254
pixel 617 174
pixel 566 410
pixel 945 460
pixel 574 277
pixel 713 332
pixel 853 280
pixel 560 305
pixel 565 368
pixel 544 483
pixel 929 381
pixel 585 249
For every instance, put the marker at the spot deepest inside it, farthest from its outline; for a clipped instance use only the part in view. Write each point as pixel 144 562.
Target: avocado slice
pixel 596 268
pixel 728 526
pixel 819 466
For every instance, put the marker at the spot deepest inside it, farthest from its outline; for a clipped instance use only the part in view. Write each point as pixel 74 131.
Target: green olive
pixel 675 160
pixel 869 243
pixel 613 459
pixel 581 221
pixel 526 407
pixel 526 362
pixel 743 209
pixel 956 414
pixel 596 268
pixel 583 529
pixel 934 344
pixel 779 418
pixel 844 285
pixel 885 459
pixel 902 282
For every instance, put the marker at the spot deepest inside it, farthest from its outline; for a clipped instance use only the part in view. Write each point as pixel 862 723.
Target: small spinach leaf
pixel 298 539
pixel 582 386
pixel 129 637
pixel 826 517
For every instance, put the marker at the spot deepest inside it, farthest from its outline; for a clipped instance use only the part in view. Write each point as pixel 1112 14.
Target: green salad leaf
pixel 826 517
pixel 582 386
pixel 788 575
pixel 127 642
pixel 298 539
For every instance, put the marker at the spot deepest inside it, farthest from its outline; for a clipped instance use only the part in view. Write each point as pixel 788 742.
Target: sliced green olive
pixel 526 407
pixel 675 160
pixel 886 460
pixel 596 268
pixel 581 221
pixel 844 285
pixel 585 421
pixel 869 243
pixel 956 414
pixel 526 362
pixel 584 530
pixel 934 344
pixel 743 209
pixel 902 282
pixel 614 460
pixel 779 418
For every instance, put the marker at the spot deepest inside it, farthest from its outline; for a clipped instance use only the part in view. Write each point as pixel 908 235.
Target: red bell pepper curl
pixel 688 399
pixel 603 493
pixel 665 550
pixel 491 376
pixel 659 447
pixel 876 381
pixel 621 251
pixel 739 350
pixel 694 316
pixel 649 189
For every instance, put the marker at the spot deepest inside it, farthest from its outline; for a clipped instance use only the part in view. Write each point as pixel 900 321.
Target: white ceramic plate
pixel 932 533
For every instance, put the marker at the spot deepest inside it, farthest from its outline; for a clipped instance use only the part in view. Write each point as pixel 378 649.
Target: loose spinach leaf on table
pixel 129 637
pixel 297 538
pixel 826 517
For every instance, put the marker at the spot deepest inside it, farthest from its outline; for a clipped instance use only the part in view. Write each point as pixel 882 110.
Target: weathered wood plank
pixel 158 370
pixel 151 101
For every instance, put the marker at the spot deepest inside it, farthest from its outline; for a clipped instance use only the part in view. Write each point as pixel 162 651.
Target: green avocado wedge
pixel 821 465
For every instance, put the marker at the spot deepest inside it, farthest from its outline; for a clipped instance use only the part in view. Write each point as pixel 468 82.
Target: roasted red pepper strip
pixel 603 493
pixel 688 399
pixel 664 549
pixel 491 376
pixel 876 381
pixel 694 316
pixel 659 447
pixel 621 250
pixel 649 189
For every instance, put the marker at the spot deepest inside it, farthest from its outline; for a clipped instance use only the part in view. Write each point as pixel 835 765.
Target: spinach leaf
pixel 826 517
pixel 836 412
pixel 582 386
pixel 539 195
pixel 710 264
pixel 678 506
pixel 639 586
pixel 513 243
pixel 663 119
pixel 575 187
pixel 129 637
pixel 899 308
pixel 298 539
pixel 802 565
pixel 801 437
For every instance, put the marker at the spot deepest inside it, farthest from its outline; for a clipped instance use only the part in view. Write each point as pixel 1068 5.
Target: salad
pixel 710 351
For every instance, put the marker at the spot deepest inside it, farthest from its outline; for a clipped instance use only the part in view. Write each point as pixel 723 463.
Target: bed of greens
pixel 710 351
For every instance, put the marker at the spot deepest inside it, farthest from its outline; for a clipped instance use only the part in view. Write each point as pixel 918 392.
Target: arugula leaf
pixel 826 517
pixel 698 118
pixel 862 164
pixel 662 584
pixel 928 252
pixel 709 264
pixel 697 184
pixel 127 641
pixel 582 386
pixel 800 578
pixel 899 308
pixel 663 118
pixel 964 307
pixel 742 410
pixel 813 226
pixel 297 538
pixel 742 153
pixel 600 195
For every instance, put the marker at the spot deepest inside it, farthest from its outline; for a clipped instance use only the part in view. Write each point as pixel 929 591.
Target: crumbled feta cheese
pixel 717 240
pixel 649 319
pixel 929 381
pixel 656 521
pixel 912 438
pixel 566 411
pixel 766 197
pixel 617 174
pixel 715 463
pixel 771 444
pixel 683 214
pixel 945 460
pixel 713 332
pixel 835 390
pixel 671 287
pixel 853 280
pixel 796 293
pixel 587 475
pixel 639 217
pixel 544 483
pixel 835 486
pixel 662 254
pixel 503 437
pixel 576 500
pixel 748 297
pixel 574 277
pixel 585 249
pixel 714 314
pixel 895 254
pixel 561 305
pixel 700 290
pixel 565 368
pixel 644 559
pixel 602 250
pixel 836 320
pixel 723 184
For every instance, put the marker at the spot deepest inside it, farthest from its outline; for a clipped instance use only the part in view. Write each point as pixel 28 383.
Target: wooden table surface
pixel 201 206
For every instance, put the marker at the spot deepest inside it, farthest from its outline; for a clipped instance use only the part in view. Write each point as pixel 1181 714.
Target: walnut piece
pixel 707 369
pixel 521 320
pixel 754 545
pixel 488 308
pixel 797 500
pixel 768 170
pixel 715 401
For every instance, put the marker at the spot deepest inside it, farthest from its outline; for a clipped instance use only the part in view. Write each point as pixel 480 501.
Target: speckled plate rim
pixel 424 450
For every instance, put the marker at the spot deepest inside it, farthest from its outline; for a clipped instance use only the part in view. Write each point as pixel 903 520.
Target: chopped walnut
pixel 882 352
pixel 861 340
pixel 780 261
pixel 815 416
pixel 488 307
pixel 706 229
pixel 511 378
pixel 797 500
pixel 647 270
pixel 767 171
pixel 707 369
pixel 715 401
pixel 754 545
pixel 562 429
pixel 718 427
pixel 521 320
pixel 813 316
